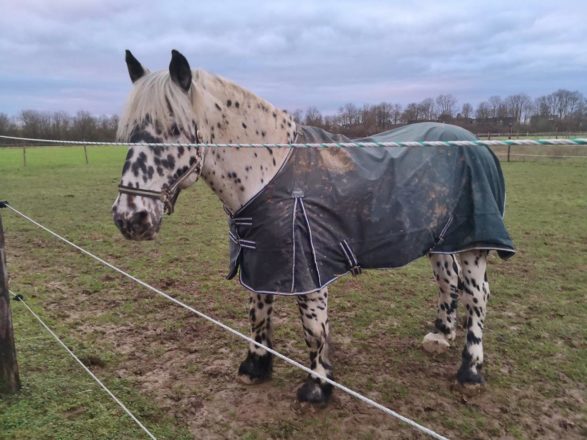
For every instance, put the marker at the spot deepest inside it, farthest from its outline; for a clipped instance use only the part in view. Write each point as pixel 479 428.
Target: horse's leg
pixel 475 296
pixel 258 364
pixel 446 270
pixel 314 313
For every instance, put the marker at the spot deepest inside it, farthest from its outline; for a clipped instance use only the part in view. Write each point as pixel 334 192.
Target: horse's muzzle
pixel 138 226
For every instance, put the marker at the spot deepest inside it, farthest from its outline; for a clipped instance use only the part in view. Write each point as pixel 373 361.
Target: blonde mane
pixel 155 98
pixel 222 88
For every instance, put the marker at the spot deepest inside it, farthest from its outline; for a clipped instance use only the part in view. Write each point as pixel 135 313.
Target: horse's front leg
pixel 259 363
pixel 314 313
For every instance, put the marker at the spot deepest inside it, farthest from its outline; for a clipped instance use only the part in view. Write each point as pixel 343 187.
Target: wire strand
pixel 489 143
pixel 110 393
pixel 343 388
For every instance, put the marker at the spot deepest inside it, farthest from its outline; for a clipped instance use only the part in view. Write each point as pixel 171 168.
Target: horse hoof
pixel 313 391
pixel 468 377
pixel 435 343
pixel 255 368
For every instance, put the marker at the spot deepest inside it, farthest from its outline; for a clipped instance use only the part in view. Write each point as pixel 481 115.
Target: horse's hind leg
pixel 475 296
pixel 446 271
pixel 259 363
pixel 314 313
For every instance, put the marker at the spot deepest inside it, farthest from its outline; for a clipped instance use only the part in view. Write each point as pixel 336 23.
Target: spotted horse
pixel 299 218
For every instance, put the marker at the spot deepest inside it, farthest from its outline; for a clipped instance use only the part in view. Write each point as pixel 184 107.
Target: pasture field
pixel 177 373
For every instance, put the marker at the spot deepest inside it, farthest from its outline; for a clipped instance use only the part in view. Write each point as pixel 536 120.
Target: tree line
pixel 59 125
pixel 562 110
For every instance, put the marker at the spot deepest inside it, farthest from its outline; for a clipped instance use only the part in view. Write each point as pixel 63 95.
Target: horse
pixel 186 106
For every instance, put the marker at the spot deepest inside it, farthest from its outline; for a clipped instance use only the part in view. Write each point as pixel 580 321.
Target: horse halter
pixel 167 195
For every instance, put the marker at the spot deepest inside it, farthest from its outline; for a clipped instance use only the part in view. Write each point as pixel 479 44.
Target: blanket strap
pixel 237 243
pixel 352 261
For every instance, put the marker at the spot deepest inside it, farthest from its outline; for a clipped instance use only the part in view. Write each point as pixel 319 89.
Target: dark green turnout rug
pixel 337 210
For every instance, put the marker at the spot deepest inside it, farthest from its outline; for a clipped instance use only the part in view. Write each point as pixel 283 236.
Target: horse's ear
pixel 180 71
pixel 135 69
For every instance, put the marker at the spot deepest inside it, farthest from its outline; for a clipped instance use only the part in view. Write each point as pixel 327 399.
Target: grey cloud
pixel 294 53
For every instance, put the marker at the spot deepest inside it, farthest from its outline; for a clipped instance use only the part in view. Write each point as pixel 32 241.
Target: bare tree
pixel 411 113
pixel 84 126
pixel 35 124
pixel 566 102
pixel 426 110
pixel 483 111
pixel 7 125
pixel 383 116
pixel 396 113
pixel 467 111
pixel 313 117
pixel 297 116
pixel 494 105
pixel 60 125
pixel 516 106
pixel 446 106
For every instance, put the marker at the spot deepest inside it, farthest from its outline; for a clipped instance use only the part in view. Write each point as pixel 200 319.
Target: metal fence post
pixel 9 379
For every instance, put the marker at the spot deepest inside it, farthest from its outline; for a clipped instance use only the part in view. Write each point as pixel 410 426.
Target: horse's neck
pixel 227 113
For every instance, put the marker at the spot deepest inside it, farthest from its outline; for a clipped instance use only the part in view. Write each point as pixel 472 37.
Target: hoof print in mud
pixel 255 368
pixel 312 391
pixel 468 390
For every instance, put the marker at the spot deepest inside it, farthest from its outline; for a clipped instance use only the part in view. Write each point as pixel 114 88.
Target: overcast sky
pixel 69 54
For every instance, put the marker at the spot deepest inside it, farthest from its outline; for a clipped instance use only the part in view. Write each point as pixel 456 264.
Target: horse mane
pixel 221 88
pixel 155 98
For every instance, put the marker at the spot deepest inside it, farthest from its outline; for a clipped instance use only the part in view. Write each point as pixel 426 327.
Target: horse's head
pixel 159 110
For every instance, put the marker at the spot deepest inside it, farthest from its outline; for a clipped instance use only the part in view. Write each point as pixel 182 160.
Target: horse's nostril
pixel 139 217
pixel 138 225
pixel 119 221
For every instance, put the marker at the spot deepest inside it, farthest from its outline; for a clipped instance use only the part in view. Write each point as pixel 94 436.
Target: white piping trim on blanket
pixel 248 244
pixel 444 230
pixel 355 268
pixel 311 241
pixel 346 255
pixel 322 286
pixel 293 244
pixel 242 221
pixel 268 292
pixel 475 248
pixel 353 257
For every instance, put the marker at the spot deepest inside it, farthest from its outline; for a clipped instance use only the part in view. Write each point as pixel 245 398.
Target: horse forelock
pixel 157 102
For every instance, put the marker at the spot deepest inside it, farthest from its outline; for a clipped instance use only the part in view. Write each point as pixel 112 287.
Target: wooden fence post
pixel 86 154
pixel 9 379
pixel 24 155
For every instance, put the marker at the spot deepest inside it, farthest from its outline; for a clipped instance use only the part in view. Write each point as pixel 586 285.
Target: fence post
pixel 509 149
pixel 9 379
pixel 24 155
pixel 86 154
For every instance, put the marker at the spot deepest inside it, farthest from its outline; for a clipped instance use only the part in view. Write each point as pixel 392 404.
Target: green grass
pixel 177 373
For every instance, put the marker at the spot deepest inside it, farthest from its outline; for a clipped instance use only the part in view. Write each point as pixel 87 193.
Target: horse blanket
pixel 331 211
